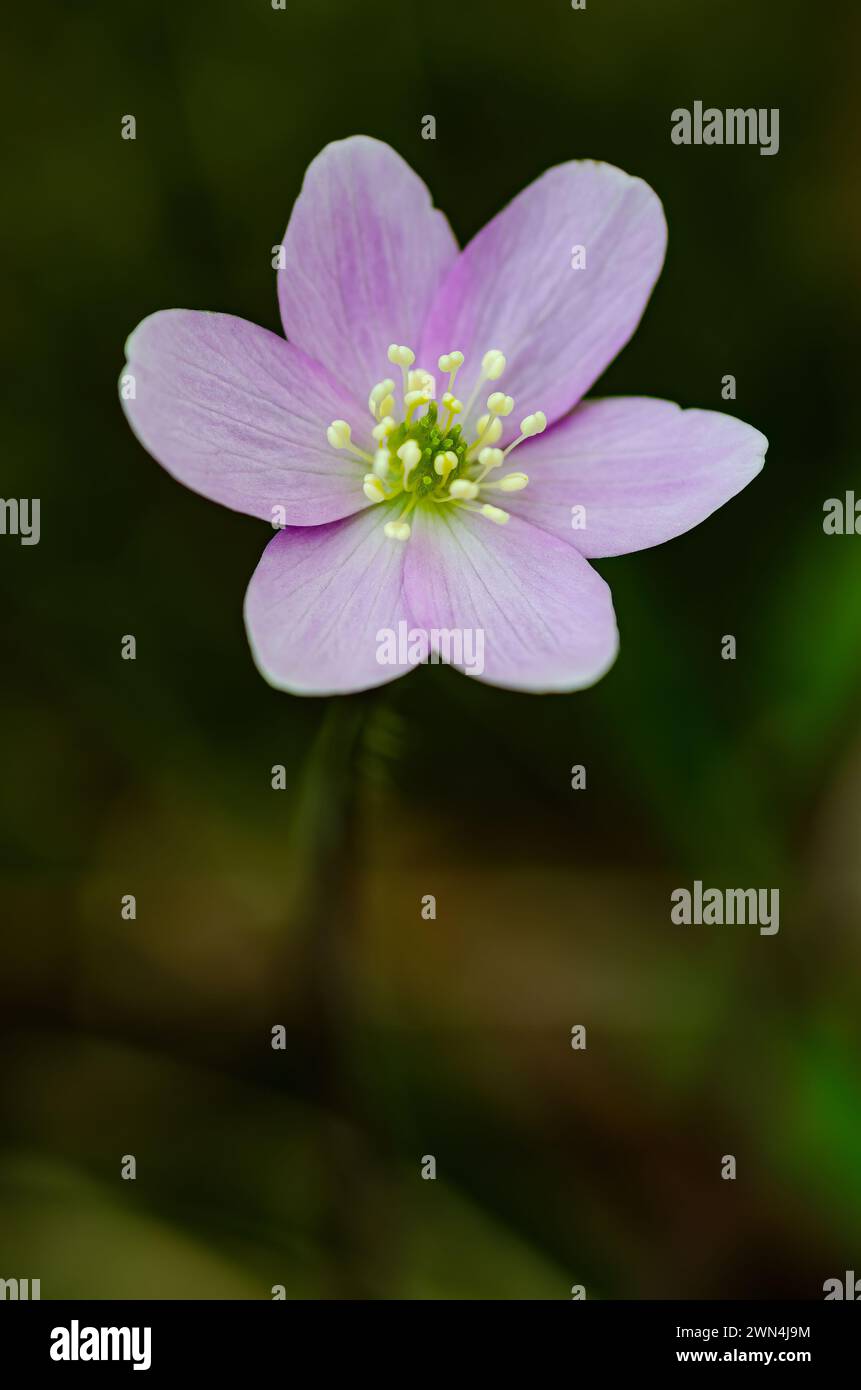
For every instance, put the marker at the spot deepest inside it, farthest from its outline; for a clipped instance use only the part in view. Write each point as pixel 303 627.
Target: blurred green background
pixel 407 1037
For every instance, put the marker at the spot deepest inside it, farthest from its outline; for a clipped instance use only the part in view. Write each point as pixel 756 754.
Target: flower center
pixel 425 456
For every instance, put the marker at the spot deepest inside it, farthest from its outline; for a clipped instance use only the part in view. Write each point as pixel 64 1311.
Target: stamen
pixel 451 362
pixel 410 456
pixel 397 530
pixel 404 358
pixel 401 356
pixel 463 489
pixel 384 428
pixel 420 380
pixel 492 367
pixel 444 463
pixel 489 430
pixel 373 488
pixel 534 424
pixel 489 458
pixel 382 463
pixel 512 482
pixel 531 425
pixel 380 397
pixel 340 435
pixel 493 364
pixel 413 399
pixel 495 514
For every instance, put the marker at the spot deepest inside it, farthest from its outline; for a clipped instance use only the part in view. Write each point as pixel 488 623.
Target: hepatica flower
pixel 421 437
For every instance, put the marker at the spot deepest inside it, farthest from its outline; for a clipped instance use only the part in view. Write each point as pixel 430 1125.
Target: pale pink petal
pixel 365 252
pixel 545 616
pixel 513 287
pixel 238 415
pixel 318 601
pixel 643 470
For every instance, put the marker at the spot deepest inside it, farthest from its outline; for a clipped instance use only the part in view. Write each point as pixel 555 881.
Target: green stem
pixel 322 946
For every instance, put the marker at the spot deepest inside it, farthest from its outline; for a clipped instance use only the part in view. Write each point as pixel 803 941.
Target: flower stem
pixel 323 961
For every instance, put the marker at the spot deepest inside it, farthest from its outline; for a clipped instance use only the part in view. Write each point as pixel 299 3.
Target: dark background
pixel 255 908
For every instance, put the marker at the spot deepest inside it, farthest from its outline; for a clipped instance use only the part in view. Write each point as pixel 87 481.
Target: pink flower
pixel 399 507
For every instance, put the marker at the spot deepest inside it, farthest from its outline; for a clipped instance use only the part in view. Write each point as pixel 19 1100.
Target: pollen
pixel 434 449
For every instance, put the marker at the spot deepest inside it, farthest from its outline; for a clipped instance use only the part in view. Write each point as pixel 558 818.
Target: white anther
pixel 409 455
pixel 494 514
pixel 452 403
pixel 420 380
pixel 512 482
pixel 500 404
pixel 382 463
pixel 490 458
pixel 401 356
pixel 378 395
pixel 489 430
pixel 463 489
pixel 444 463
pixel 384 428
pixel 414 398
pixel 397 530
pixel 493 364
pixel 450 361
pixel 373 488
pixel 533 424
pixel 339 434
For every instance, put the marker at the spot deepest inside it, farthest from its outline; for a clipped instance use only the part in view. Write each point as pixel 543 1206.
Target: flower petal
pixel 546 616
pixel 365 253
pixel 238 415
pixel 317 601
pixel 644 470
pixel 514 287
